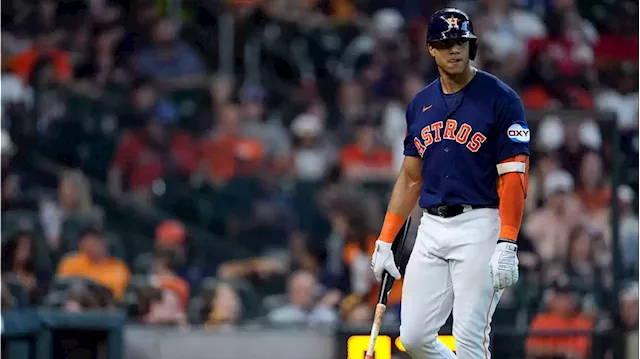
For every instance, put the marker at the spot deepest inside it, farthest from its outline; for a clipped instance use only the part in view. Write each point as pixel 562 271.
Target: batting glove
pixel 382 259
pixel 504 265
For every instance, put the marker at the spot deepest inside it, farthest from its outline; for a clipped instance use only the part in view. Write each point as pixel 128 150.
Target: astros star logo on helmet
pixel 452 22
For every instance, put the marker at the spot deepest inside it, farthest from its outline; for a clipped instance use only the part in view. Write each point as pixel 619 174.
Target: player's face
pixel 451 55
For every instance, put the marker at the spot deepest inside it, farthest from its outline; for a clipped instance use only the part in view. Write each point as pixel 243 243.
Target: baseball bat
pixel 385 287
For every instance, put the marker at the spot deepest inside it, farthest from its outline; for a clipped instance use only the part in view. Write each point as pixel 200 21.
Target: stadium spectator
pixel 164 275
pixel 14 180
pixel 505 30
pixel 355 311
pixel 549 227
pixel 148 154
pixel 15 92
pixel 170 236
pixel 572 149
pixel 593 190
pixel 226 308
pixel 257 123
pixel 304 308
pixel 74 199
pixel 562 314
pixel 19 264
pixel 94 262
pixel 619 39
pixel 629 316
pixel 558 66
pixel 546 163
pixel 221 89
pixel 584 269
pixel 393 119
pixel 313 153
pixel 159 307
pixel 628 227
pixel 45 49
pixel 351 106
pixel 7 300
pixel 228 151
pixel 144 99
pixel 620 96
pixel 364 158
pixel 79 301
pixel 170 61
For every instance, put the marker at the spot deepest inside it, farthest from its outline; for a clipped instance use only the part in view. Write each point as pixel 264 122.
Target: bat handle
pixel 375 329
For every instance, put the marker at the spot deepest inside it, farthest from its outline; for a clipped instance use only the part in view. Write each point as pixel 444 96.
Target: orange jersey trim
pixel 512 190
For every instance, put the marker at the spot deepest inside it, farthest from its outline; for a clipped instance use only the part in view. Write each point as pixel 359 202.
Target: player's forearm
pixel 512 192
pixel 404 196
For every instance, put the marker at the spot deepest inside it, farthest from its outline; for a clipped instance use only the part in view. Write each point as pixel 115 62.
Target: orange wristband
pixel 391 226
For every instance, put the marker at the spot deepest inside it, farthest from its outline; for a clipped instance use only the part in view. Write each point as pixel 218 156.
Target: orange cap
pixel 170 231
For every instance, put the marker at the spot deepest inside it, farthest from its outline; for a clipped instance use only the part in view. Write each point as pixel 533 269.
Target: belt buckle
pixel 442 211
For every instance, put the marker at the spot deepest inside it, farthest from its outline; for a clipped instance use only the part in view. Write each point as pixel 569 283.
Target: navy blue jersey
pixel 462 137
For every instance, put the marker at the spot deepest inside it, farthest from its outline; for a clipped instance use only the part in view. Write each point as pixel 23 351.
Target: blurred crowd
pixel 282 134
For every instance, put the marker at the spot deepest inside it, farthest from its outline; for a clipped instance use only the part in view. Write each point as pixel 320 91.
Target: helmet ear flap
pixel 473 49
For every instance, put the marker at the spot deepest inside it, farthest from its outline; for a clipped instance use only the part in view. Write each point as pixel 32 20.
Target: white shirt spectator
pixel 14 91
pixel 508 33
pixel 625 107
pixel 312 158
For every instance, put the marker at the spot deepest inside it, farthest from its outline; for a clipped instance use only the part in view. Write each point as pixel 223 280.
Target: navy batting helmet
pixel 450 23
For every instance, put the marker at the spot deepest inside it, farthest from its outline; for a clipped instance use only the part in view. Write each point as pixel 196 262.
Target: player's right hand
pixel 382 259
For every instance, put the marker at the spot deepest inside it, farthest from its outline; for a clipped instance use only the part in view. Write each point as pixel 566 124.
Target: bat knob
pixel 368 356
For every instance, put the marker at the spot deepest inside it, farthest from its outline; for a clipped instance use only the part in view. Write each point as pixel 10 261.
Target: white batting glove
pixel 382 259
pixel 504 265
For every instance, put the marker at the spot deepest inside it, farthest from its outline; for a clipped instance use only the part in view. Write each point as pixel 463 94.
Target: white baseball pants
pixel 449 270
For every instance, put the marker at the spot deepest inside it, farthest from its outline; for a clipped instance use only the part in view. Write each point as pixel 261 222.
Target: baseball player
pixel 466 160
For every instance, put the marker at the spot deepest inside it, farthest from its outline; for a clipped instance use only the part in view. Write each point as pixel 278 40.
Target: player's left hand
pixel 504 265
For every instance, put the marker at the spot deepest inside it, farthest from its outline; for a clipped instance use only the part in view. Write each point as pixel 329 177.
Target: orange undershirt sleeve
pixel 392 224
pixel 512 190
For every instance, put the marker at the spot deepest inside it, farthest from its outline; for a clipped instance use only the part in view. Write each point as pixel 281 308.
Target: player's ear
pixel 432 50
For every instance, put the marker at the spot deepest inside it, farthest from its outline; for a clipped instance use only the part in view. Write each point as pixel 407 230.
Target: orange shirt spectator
pixel 44 48
pixel 226 153
pixel 593 192
pixel 363 159
pixel 139 160
pixel 549 322
pixel 225 158
pixel 561 316
pixel 594 201
pixel 93 262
